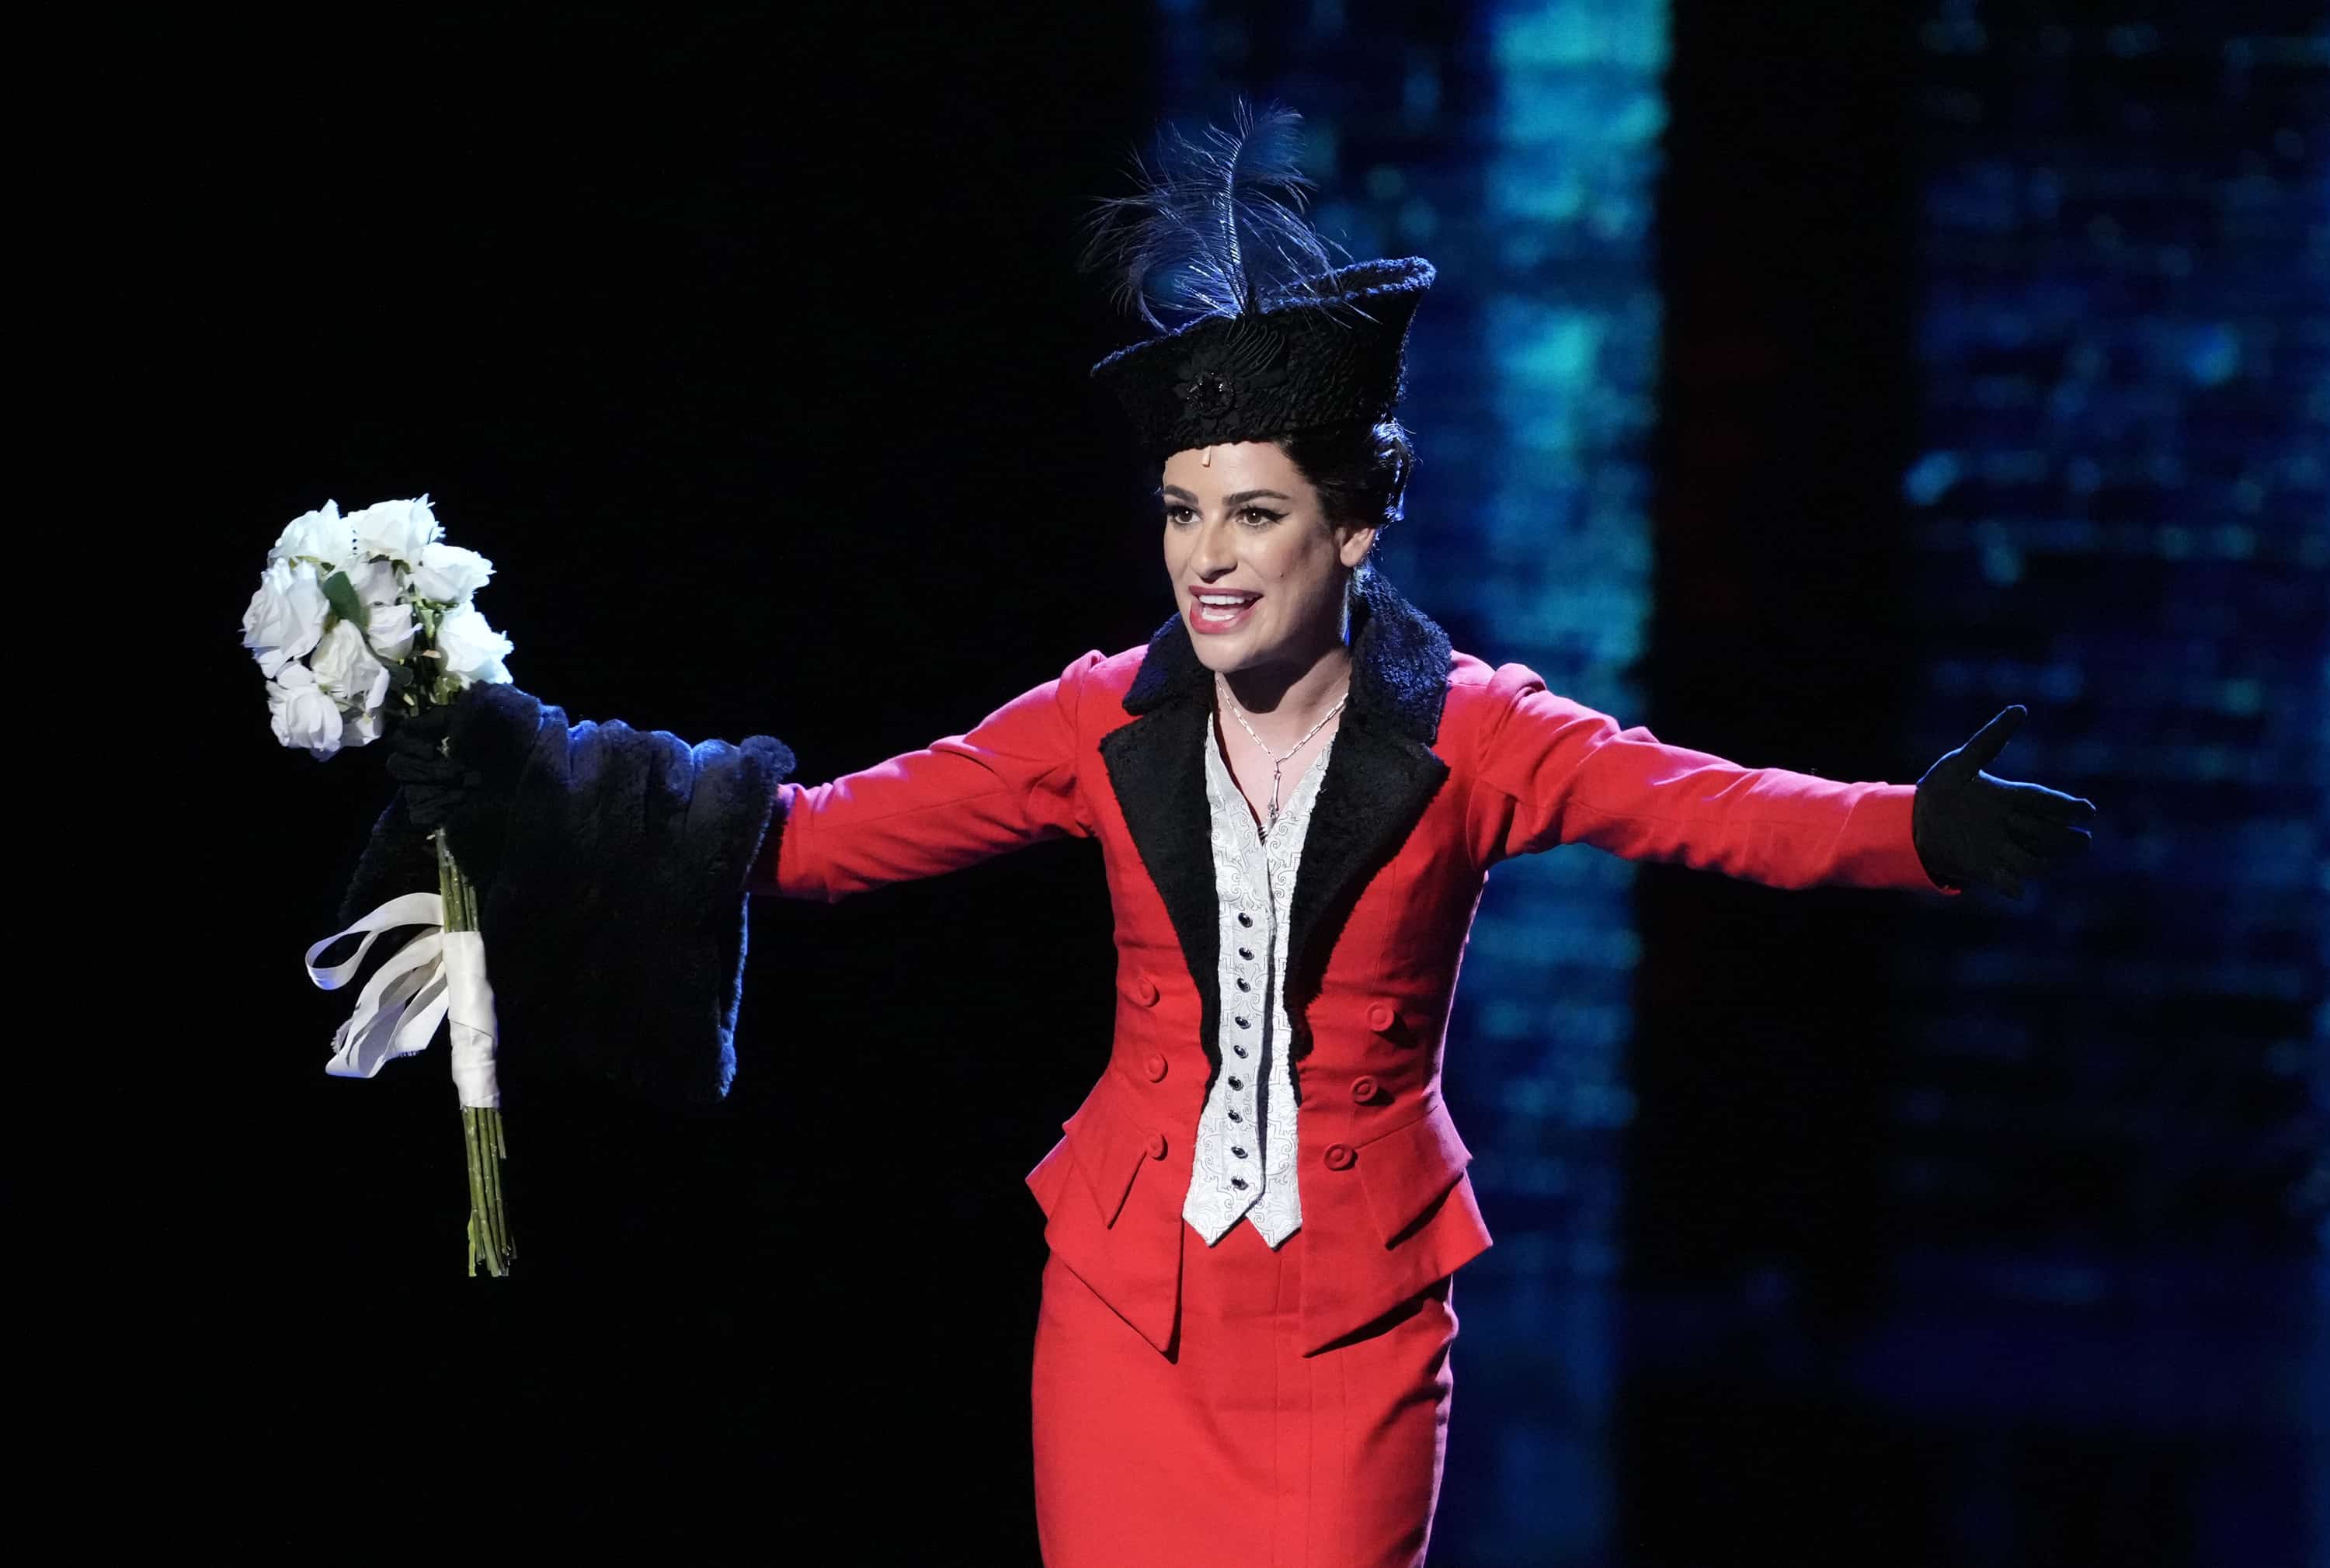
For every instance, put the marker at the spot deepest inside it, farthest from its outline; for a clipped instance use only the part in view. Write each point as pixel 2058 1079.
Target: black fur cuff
pixel 614 884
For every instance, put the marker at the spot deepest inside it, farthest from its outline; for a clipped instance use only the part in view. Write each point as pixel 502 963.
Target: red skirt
pixel 1237 1449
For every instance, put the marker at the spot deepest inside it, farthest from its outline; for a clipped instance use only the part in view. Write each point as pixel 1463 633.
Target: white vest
pixel 1244 1165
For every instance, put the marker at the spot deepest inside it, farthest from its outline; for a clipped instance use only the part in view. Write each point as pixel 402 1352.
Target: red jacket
pixel 1442 767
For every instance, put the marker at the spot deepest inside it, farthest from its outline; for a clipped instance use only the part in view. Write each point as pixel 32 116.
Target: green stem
pixel 478 1245
pixel 489 1162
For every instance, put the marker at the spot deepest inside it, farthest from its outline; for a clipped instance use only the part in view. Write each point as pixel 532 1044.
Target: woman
pixel 1298 789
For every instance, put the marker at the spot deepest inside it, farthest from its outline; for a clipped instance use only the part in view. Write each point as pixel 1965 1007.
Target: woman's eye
pixel 1252 516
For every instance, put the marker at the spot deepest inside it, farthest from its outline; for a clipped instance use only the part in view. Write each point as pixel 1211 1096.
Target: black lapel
pixel 1158 773
pixel 1380 776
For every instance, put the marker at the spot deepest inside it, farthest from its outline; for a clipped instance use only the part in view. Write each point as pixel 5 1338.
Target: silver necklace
pixel 1278 763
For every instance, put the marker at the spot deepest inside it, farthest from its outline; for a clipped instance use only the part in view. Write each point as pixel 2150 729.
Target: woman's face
pixel 1257 570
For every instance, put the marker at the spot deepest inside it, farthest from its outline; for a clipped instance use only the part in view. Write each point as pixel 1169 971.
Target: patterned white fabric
pixel 1244 1165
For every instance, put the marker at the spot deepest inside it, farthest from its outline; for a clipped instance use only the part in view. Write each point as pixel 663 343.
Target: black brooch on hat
pixel 1271 336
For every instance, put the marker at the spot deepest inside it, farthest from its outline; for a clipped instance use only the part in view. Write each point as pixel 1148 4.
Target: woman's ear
pixel 1355 544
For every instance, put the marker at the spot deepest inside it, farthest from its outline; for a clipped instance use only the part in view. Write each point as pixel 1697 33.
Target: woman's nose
pixel 1215 550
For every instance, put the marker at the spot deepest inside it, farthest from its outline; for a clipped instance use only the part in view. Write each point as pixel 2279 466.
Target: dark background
pixel 752 352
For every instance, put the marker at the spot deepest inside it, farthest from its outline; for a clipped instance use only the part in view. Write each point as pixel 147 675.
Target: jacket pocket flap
pixel 1109 1152
pixel 1409 1169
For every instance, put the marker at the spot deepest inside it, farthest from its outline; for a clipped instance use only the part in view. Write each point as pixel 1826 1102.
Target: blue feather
pixel 1217 224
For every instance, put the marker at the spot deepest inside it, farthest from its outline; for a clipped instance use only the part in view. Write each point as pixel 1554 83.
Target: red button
pixel 1156 1146
pixel 1154 1065
pixel 1363 1089
pixel 1380 1017
pixel 1340 1156
pixel 1144 991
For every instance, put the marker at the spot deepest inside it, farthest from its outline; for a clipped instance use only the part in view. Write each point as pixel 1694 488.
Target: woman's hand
pixel 435 785
pixel 1974 830
pixel 458 763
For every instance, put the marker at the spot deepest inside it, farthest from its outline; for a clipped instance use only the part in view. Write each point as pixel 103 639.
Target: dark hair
pixel 1359 469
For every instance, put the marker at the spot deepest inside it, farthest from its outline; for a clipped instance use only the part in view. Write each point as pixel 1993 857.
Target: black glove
pixel 458 766
pixel 433 782
pixel 1974 830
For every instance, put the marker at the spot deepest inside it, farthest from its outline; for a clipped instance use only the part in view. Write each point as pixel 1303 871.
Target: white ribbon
pixel 437 975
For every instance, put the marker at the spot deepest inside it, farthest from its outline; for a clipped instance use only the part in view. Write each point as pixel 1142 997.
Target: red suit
pixel 1288 1406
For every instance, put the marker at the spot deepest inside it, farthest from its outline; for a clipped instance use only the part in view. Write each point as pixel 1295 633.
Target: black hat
pixel 1276 336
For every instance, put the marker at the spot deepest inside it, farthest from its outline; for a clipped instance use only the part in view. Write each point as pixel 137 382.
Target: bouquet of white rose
pixel 360 620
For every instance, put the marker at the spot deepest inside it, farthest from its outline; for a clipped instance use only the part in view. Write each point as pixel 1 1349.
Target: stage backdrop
pixel 1810 382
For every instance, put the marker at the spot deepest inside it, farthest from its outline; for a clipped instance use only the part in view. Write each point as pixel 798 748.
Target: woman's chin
pixel 1224 653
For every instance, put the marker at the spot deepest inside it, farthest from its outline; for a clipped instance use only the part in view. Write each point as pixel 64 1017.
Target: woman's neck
pixel 1284 700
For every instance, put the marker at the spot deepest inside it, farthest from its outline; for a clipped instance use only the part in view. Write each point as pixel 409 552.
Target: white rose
pixel 473 650
pixel 323 535
pixel 399 530
pixel 361 729
pixel 286 616
pixel 449 574
pixel 346 668
pixel 376 582
pixel 390 631
pixel 301 713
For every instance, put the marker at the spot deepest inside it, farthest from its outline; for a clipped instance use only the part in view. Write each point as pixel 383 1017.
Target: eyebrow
pixel 1237 499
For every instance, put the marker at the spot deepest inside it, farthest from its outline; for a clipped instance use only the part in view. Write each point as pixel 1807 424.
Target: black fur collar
pixel 1379 777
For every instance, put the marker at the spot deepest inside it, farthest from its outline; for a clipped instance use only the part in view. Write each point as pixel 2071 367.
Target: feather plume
pixel 1216 225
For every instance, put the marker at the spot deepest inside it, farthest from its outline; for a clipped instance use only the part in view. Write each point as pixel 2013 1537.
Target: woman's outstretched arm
pixel 1552 771
pixel 613 860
